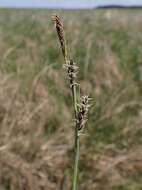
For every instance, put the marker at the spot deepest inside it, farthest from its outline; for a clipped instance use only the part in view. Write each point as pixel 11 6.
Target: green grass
pixel 107 46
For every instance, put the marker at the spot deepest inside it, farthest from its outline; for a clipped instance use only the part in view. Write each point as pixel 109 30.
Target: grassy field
pixel 36 126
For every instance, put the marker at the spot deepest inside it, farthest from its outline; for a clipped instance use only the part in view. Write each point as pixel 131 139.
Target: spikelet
pixel 60 33
pixel 71 68
pixel 83 112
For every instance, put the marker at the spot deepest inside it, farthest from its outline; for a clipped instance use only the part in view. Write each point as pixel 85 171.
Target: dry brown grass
pixel 27 161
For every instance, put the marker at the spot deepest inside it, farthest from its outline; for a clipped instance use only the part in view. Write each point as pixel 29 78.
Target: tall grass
pixel 80 104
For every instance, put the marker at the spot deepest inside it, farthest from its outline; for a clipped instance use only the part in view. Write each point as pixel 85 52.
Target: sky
pixel 65 3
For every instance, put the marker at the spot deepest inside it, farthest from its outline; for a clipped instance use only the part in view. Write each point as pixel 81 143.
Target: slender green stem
pixel 76 132
pixel 76 164
pixel 76 146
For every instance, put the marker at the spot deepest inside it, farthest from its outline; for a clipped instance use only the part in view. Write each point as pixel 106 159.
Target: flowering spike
pixel 60 32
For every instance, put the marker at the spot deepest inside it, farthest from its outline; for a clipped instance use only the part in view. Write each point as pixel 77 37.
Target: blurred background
pixel 36 114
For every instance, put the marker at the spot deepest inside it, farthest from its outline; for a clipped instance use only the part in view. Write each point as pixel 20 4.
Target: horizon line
pixel 70 8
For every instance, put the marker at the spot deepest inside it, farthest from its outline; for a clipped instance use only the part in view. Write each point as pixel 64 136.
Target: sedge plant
pixel 81 104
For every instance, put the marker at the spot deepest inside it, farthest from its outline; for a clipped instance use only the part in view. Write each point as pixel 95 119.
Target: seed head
pixel 71 68
pixel 60 32
pixel 83 112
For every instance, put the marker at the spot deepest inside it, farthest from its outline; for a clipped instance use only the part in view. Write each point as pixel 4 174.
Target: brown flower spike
pixel 60 32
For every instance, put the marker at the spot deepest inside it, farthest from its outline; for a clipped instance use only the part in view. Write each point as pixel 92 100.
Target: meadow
pixel 36 120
